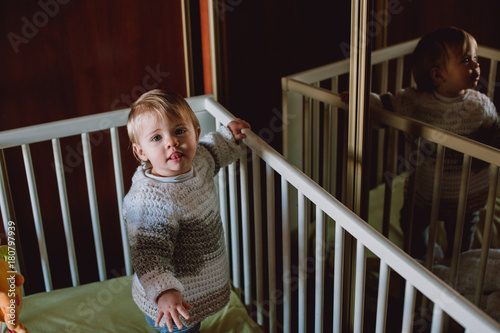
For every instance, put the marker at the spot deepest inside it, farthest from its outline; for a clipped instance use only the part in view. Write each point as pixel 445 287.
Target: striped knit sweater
pixel 176 235
pixel 472 115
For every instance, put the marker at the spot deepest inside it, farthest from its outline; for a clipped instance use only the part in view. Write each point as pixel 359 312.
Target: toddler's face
pixel 462 72
pixel 168 144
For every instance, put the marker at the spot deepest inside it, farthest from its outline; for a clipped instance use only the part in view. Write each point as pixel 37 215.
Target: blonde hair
pixel 162 104
pixel 432 51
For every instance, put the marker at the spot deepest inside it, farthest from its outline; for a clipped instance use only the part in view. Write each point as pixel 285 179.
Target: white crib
pixel 317 120
pixel 278 273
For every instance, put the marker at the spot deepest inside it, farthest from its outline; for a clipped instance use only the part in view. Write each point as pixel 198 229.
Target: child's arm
pixel 170 305
pixel 223 144
pixel 236 126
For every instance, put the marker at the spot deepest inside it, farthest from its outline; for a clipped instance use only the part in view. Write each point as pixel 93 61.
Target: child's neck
pixel 448 93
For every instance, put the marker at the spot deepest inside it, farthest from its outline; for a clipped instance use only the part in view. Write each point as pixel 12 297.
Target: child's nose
pixel 474 64
pixel 172 142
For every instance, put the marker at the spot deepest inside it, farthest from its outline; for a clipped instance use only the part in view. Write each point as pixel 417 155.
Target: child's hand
pixel 236 126
pixel 344 97
pixel 171 304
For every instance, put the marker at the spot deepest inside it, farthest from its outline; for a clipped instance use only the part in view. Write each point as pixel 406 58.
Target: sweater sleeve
pixel 489 131
pixel 222 146
pixel 152 233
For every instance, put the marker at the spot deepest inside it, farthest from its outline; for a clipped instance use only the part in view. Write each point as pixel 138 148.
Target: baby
pixel 173 222
pixel 446 70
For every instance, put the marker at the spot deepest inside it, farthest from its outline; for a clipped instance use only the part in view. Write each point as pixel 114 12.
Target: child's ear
pixel 436 75
pixel 198 132
pixel 139 152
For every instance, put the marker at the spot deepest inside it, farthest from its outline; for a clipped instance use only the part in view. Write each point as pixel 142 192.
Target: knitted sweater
pixel 472 115
pixel 176 234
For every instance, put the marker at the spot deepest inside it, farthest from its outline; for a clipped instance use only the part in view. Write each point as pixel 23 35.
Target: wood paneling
pixel 62 59
pixel 415 18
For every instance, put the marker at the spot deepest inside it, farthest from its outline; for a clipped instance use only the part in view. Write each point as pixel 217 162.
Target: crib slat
pixel 326 144
pixel 247 271
pixel 399 73
pixel 333 139
pixel 359 295
pixel 287 257
pixel 320 270
pixel 257 209
pixel 488 223
pixel 271 247
pixel 390 161
pixel 223 209
pixel 307 148
pixel 4 198
pixel 415 146
pixel 409 307
pixel 384 84
pixel 8 213
pixel 436 195
pixel 117 165
pixel 302 248
pixel 63 198
pixel 437 319
pixel 462 200
pixel 383 295
pixel 315 140
pixel 233 215
pixel 338 278
pixel 492 78
pixel 89 172
pixel 37 217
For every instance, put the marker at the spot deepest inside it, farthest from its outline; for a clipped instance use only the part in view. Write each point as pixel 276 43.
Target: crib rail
pixel 287 285
pixel 281 276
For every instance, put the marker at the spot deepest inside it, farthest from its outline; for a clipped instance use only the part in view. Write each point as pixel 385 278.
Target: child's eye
pixel 156 138
pixel 469 59
pixel 180 131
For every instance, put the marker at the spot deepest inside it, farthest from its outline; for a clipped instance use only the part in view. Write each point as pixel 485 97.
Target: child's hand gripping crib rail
pixel 270 270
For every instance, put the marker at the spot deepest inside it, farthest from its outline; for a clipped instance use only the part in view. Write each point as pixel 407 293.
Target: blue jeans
pixel 184 329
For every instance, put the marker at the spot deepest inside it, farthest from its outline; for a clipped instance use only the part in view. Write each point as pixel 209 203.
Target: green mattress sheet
pixel 108 307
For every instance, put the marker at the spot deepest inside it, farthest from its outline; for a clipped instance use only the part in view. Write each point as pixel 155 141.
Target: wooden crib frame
pixel 280 278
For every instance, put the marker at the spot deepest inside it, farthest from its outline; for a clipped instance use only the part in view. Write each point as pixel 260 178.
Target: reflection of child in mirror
pixel 446 70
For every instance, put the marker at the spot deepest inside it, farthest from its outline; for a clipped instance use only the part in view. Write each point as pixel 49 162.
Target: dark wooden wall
pixel 66 58
pixel 72 58
pixel 415 18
